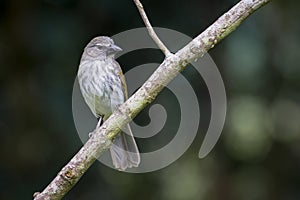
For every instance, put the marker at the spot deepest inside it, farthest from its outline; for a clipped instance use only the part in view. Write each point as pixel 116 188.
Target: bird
pixel 103 87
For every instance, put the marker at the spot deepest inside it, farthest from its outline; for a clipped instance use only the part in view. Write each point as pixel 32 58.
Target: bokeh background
pixel 258 154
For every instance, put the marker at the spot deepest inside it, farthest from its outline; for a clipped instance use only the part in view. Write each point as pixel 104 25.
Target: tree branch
pixel 171 67
pixel 150 29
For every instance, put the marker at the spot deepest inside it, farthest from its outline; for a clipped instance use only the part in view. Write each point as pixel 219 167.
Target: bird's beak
pixel 115 48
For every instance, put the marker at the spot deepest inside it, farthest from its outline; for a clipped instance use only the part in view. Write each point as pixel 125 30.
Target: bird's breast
pixel 100 86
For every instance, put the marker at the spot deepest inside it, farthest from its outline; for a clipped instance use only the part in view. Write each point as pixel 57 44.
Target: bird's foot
pixel 100 121
pixel 91 134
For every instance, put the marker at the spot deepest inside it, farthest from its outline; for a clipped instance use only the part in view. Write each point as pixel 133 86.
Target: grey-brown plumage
pixel 103 87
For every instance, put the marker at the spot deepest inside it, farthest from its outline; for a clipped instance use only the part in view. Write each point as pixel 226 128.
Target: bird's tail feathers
pixel 124 151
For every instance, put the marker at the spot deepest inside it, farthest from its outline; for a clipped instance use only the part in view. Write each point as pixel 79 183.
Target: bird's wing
pixel 123 81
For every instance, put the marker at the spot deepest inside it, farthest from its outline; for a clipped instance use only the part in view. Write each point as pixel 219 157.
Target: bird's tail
pixel 124 151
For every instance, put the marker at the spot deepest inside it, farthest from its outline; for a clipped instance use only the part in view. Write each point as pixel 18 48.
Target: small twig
pixel 150 29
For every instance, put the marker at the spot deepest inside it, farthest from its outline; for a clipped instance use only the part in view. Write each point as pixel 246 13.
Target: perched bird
pixel 103 87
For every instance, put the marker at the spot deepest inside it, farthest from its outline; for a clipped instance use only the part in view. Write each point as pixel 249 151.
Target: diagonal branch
pixel 171 67
pixel 150 29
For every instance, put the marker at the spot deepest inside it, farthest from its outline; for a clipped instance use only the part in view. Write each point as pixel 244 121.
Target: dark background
pixel 257 157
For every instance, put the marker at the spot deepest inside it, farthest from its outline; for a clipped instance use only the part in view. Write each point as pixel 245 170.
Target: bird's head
pixel 102 47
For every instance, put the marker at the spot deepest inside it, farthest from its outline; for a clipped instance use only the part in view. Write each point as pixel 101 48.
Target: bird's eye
pixel 98 46
pixel 106 44
pixel 101 45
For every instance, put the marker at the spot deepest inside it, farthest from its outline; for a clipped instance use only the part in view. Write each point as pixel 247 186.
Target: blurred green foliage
pixel 258 155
